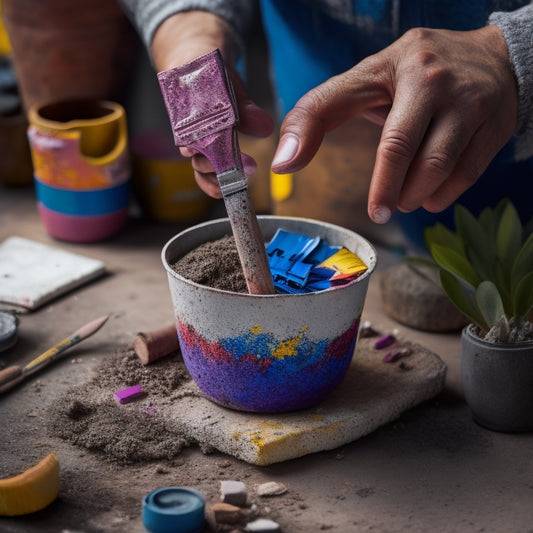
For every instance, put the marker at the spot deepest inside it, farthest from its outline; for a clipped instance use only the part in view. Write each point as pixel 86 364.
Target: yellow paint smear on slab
pixel 272 438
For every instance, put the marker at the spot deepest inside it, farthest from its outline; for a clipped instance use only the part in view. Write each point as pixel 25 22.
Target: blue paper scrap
pixel 295 263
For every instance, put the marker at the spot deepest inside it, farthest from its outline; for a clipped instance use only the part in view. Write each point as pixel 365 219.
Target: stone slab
pixel 373 393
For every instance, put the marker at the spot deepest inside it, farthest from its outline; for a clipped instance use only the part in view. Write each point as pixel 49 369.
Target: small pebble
pixel 263 525
pixel 233 492
pixel 367 330
pixel 272 488
pixel 226 513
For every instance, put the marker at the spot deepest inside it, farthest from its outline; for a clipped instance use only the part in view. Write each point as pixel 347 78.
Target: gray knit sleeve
pixel 147 15
pixel 517 28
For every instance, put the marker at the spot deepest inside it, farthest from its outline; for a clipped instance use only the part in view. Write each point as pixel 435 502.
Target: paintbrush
pixel 203 113
pixel 12 375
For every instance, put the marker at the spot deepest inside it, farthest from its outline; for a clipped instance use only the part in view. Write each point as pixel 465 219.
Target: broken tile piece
pixel 129 395
pixel 272 488
pixel 33 273
pixel 226 513
pixel 385 341
pixel 263 525
pixel 233 492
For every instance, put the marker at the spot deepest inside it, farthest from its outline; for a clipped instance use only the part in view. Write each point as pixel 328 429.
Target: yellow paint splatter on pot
pixel 289 347
pixel 257 329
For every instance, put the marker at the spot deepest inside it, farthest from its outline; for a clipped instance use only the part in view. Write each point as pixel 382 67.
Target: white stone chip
pixel 263 525
pixel 272 488
pixel 233 492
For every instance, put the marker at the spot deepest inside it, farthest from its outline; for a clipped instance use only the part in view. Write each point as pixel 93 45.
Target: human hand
pixel 186 36
pixel 447 101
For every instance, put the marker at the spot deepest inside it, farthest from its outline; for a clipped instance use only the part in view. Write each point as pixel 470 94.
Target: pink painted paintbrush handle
pixel 250 243
pixel 203 114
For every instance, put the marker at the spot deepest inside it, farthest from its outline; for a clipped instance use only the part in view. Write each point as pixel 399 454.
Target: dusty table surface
pixel 432 469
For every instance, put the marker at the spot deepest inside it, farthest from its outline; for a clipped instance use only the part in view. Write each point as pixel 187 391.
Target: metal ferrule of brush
pixel 232 181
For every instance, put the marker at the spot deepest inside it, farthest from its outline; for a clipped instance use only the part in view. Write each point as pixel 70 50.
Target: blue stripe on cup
pixel 83 202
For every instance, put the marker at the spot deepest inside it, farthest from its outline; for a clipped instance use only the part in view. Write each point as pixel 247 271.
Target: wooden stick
pixel 153 345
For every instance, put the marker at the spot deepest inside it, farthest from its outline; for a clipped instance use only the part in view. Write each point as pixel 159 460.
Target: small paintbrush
pixel 203 113
pixel 12 375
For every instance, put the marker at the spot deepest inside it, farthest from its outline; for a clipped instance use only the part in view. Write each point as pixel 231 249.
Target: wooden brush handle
pixel 250 243
pixel 9 373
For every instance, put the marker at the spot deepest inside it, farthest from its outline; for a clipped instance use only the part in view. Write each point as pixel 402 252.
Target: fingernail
pixel 381 215
pixel 287 149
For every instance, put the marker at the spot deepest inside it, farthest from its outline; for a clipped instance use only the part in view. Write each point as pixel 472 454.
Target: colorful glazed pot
pixel 81 168
pixel 267 353
pixel 164 183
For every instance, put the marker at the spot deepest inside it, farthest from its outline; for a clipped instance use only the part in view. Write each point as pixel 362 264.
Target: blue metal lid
pixel 8 330
pixel 174 510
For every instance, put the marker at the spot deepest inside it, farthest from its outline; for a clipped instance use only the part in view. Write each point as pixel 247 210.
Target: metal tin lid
pixel 8 330
pixel 173 510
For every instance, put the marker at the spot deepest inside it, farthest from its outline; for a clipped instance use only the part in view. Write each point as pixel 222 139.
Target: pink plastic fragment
pixel 385 341
pixel 394 356
pixel 129 395
pixel 391 357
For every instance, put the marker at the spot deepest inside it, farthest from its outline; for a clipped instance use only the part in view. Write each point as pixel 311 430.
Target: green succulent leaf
pixel 479 248
pixel 483 262
pixel 424 261
pixel 523 264
pixel 489 222
pixel 463 296
pixel 523 297
pixel 500 207
pixel 485 269
pixel 489 303
pixel 528 228
pixel 502 281
pixel 509 237
pixel 455 263
pixel 440 234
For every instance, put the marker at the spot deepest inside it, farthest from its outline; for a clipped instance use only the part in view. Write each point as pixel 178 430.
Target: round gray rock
pixel 412 295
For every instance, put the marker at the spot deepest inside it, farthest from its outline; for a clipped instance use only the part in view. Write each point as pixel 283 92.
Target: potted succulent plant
pixel 486 269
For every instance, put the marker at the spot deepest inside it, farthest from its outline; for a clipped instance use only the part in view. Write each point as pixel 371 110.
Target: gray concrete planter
pixel 497 382
pixel 267 353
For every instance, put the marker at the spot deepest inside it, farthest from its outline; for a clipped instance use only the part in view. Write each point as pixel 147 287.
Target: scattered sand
pixel 89 416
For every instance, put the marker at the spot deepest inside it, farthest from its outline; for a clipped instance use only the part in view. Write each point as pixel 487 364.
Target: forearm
pixel 226 22
pixel 517 29
pixel 184 36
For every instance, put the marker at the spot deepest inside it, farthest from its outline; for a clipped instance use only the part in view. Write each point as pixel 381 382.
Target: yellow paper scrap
pixel 345 263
